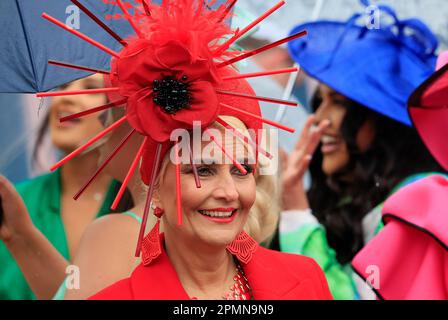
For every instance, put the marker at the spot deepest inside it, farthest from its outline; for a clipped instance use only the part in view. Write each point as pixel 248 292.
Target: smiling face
pixel 69 135
pixel 333 107
pixel 216 213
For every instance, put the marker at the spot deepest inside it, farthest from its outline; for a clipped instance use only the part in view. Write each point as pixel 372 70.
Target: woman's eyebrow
pixel 205 161
pixel 213 162
pixel 243 160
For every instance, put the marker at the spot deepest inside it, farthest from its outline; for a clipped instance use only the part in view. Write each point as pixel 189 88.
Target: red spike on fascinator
pixel 176 71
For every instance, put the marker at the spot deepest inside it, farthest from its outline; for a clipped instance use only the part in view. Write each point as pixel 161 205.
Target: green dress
pixel 301 233
pixel 42 197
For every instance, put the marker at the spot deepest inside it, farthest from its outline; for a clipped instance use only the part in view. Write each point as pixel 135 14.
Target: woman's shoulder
pixel 272 275
pixel 111 231
pixel 288 260
pixel 114 220
pixel 112 228
pixel 295 276
pixel 94 255
pixel 416 177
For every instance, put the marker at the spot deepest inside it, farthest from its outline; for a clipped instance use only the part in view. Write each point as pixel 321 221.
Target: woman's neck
pixel 205 272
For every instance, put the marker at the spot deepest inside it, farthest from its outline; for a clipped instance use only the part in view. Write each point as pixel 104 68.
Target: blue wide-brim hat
pixel 378 68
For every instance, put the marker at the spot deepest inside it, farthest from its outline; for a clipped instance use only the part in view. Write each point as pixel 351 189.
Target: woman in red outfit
pixel 210 256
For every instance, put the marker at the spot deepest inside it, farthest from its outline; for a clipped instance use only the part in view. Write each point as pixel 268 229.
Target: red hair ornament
pixel 176 70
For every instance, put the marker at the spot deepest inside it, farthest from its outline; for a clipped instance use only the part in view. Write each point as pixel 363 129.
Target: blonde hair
pixel 264 214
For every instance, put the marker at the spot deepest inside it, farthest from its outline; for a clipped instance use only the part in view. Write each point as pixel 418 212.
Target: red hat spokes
pixel 177 70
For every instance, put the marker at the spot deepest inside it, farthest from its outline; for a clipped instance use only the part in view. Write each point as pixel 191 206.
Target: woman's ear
pixel 366 135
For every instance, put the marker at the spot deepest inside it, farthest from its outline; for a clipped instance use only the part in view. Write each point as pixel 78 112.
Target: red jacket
pixel 272 275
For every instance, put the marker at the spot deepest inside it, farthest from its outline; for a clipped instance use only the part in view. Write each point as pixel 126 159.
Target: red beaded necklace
pixel 240 290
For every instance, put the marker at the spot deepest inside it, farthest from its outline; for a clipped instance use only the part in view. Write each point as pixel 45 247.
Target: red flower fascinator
pixel 177 70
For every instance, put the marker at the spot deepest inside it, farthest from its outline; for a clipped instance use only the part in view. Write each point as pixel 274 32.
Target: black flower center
pixel 172 95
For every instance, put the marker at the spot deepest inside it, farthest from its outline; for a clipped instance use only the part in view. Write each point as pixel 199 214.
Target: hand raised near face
pixel 296 164
pixel 15 219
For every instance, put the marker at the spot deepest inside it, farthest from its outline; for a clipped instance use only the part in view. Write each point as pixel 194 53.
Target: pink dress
pixel 411 252
pixel 410 255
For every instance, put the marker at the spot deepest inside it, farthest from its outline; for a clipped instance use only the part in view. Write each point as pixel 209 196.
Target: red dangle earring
pixel 151 247
pixel 243 247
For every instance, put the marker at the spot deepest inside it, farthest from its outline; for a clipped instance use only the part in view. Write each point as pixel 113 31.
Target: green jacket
pixel 42 197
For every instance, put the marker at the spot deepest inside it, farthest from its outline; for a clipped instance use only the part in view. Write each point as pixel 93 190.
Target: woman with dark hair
pixel 368 149
pixel 393 157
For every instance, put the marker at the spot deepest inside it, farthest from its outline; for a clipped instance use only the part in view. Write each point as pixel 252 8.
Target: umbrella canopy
pixel 29 41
